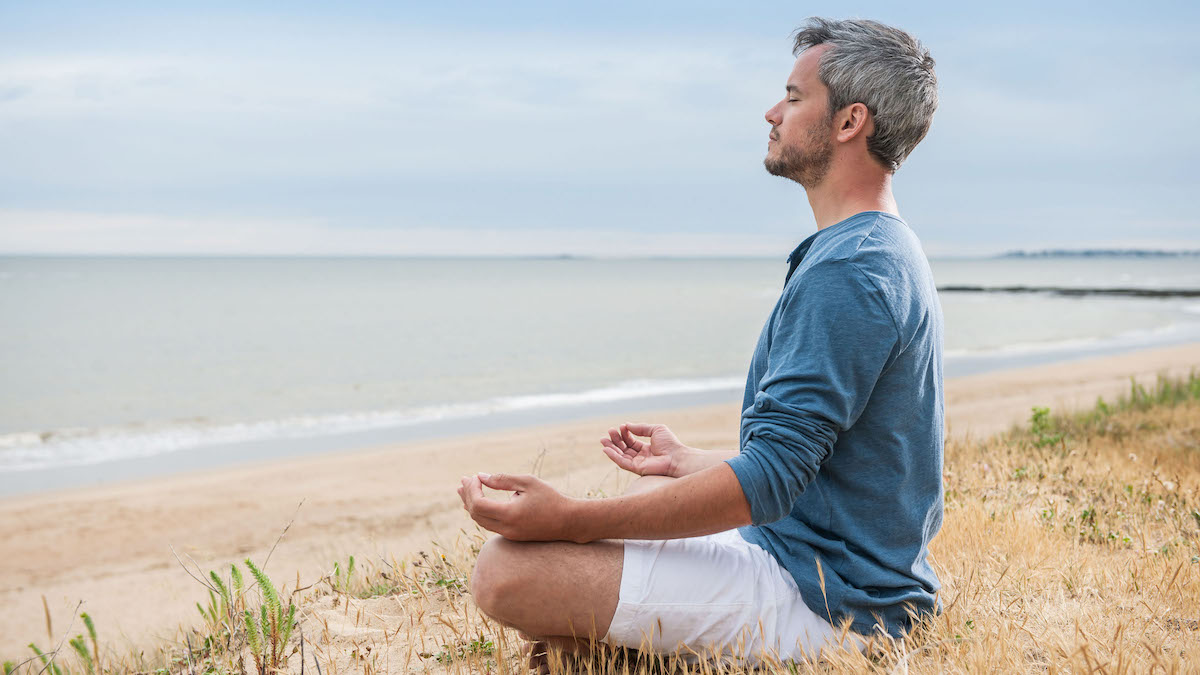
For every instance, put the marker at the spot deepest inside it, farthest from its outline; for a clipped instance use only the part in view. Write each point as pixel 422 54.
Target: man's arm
pixel 695 460
pixel 704 502
pixel 834 335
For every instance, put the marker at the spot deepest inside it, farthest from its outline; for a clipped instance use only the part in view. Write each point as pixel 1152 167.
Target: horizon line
pixel 1010 253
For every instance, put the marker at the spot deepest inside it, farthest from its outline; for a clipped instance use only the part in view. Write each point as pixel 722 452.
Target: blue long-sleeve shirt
pixel 842 425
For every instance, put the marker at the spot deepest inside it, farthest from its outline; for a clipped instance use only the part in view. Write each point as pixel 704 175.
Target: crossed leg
pixel 560 593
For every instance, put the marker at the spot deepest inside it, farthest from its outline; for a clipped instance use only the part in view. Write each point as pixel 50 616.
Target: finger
pixel 489 524
pixel 505 481
pixel 615 437
pixel 616 454
pixel 628 452
pixel 640 429
pixel 619 458
pixel 491 509
pixel 607 444
pixel 632 442
pixel 470 491
pixel 477 504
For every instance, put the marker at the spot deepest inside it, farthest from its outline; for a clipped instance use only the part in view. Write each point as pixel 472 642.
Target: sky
pixel 541 128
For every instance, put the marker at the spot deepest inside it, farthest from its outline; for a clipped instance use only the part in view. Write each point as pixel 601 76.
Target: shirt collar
pixel 801 250
pixel 798 255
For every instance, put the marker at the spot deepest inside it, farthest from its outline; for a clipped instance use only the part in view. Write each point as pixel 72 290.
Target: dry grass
pixel 1071 545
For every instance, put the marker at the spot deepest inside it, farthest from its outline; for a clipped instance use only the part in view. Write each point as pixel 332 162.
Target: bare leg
pixel 557 594
pixel 550 589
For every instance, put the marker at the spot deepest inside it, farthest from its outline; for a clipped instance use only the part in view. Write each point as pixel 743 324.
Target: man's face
pixel 800 145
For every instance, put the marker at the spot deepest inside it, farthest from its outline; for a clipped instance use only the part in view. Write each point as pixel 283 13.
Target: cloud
pixel 360 125
pixel 415 105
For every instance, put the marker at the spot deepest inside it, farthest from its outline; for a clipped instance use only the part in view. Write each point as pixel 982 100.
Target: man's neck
pixel 839 197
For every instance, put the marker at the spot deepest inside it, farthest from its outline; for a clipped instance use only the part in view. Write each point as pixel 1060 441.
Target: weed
pixel 1044 429
pixel 342 578
pixel 48 664
pixel 479 646
pixel 269 629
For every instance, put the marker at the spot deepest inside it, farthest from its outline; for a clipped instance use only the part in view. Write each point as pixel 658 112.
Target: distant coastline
pixel 9 256
pixel 1077 291
pixel 1100 253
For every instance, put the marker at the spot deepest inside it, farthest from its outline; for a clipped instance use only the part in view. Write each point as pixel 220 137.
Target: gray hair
pixel 885 69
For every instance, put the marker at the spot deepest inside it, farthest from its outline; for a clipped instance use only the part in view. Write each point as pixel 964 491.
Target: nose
pixel 772 115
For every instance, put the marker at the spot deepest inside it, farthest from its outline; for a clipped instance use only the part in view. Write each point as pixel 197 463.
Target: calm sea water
pixel 105 359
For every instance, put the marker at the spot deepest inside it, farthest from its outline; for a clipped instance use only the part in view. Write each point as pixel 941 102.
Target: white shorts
pixel 718 596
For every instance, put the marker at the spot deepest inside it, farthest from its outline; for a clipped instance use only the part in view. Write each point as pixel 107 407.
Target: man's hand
pixel 536 511
pixel 664 455
pixel 707 501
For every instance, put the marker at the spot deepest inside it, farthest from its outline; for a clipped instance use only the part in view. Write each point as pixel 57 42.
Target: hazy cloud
pixel 382 131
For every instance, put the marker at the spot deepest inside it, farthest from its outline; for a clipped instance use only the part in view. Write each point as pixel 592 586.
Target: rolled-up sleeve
pixel 832 337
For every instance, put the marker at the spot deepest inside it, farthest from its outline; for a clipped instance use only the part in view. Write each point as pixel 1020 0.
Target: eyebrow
pixel 792 89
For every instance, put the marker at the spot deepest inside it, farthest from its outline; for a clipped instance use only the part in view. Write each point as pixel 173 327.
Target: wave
pixel 27 451
pixel 1129 339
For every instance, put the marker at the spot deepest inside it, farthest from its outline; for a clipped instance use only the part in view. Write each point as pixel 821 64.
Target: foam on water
pixel 111 359
pixel 28 451
pixel 1129 339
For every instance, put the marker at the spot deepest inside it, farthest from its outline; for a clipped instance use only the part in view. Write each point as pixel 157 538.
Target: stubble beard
pixel 805 166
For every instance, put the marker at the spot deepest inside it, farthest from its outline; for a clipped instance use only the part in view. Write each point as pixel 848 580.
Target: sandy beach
pixel 110 547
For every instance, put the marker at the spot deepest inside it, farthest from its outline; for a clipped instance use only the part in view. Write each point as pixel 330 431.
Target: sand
pixel 110 547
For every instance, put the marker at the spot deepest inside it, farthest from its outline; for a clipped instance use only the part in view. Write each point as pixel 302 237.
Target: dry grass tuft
pixel 1070 545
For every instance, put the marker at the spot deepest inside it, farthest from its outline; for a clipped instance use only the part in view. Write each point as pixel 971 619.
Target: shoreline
pixel 232 453
pixel 110 545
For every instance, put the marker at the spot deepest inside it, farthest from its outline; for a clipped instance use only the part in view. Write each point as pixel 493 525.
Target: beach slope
pixel 111 547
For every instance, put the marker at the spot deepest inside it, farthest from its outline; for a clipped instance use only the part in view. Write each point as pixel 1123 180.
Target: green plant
pixel 91 629
pixel 342 578
pixel 454 584
pixel 441 573
pixel 222 616
pixel 48 664
pixel 268 630
pixel 1043 428
pixel 479 646
pixel 81 649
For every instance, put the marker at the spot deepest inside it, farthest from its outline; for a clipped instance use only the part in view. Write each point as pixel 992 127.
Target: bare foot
pixel 536 654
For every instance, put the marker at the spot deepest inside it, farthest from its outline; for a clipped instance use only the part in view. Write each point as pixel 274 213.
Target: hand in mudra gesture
pixel 661 456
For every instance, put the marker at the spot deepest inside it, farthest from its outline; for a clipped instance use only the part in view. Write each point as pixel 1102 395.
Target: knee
pixel 496 575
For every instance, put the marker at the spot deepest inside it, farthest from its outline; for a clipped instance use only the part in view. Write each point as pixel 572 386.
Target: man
pixel 835 492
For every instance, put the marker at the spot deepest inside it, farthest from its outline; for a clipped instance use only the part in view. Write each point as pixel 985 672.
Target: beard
pixel 806 166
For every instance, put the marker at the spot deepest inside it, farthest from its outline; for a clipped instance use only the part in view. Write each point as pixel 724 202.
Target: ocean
pixel 117 367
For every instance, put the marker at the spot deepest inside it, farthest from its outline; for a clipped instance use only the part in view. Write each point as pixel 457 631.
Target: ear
pixel 853 120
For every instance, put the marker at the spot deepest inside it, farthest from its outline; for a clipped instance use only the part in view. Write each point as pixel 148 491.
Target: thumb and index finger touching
pixel 471 489
pixel 639 429
pixel 630 431
pixel 625 437
pixel 505 481
pixel 482 506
